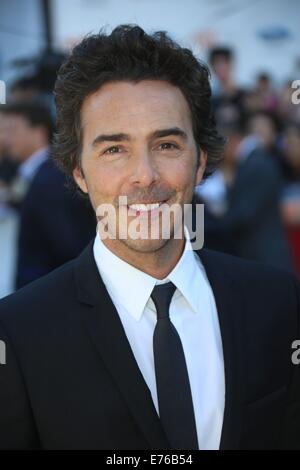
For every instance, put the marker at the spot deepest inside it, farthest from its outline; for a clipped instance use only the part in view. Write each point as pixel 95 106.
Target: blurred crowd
pixel 252 202
pixel 54 224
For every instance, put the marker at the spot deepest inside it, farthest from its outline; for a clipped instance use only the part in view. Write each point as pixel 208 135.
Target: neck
pixel 158 263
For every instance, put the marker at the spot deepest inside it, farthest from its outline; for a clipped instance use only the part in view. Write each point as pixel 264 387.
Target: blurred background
pixel 252 203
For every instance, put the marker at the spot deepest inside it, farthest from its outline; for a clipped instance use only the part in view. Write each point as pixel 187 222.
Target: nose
pixel 143 171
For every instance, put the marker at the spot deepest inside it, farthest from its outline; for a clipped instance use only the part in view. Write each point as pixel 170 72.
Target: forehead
pixel 134 108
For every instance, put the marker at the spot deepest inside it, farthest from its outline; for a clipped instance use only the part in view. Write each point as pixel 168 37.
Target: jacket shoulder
pixel 243 270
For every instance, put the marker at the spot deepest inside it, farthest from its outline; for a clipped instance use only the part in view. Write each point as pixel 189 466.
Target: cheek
pixel 18 141
pixel 23 138
pixel 181 175
pixel 103 183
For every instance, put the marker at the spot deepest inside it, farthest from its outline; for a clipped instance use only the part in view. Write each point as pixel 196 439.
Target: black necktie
pixel 172 381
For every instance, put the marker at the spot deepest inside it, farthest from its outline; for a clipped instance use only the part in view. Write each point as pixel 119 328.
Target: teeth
pixel 144 207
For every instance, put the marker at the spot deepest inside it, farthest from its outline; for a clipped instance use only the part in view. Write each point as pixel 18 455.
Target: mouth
pixel 142 208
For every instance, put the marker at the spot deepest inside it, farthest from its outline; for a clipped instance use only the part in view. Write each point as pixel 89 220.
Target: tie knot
pixel 162 295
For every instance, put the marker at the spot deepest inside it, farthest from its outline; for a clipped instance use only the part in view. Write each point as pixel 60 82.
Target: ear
pixel 80 180
pixel 201 166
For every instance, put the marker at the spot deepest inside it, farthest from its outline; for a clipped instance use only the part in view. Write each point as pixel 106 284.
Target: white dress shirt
pixel 194 315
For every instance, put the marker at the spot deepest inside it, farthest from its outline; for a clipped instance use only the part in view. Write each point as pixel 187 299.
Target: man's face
pixel 18 136
pixel 137 141
pixel 222 68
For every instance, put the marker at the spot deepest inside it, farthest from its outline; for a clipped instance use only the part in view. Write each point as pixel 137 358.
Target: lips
pixel 144 207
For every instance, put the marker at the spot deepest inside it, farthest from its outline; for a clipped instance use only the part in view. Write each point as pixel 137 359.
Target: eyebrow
pixel 172 131
pixel 155 135
pixel 110 138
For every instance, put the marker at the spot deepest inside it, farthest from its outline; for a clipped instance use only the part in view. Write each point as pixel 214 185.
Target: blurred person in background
pixel 55 225
pixel 8 169
pixel 266 127
pixel 251 225
pixel 39 83
pixel 8 166
pixel 213 193
pixel 288 110
pixel 228 98
pixel 262 97
pixel 24 89
pixel 290 203
pixel 291 153
pixel 27 132
pixel 8 217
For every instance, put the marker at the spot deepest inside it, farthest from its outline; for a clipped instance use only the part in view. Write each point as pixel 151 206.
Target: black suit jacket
pixel 71 381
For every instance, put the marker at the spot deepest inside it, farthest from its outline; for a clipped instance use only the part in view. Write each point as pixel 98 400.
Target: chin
pixel 145 246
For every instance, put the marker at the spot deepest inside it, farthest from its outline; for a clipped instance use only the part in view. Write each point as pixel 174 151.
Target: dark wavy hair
pixel 130 54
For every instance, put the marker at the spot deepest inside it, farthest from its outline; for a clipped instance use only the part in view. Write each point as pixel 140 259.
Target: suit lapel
pixel 228 297
pixel 108 336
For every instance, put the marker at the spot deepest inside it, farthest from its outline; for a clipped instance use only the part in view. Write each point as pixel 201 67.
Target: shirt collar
pixel 247 146
pixel 28 168
pixel 131 288
pixel 185 275
pixel 127 285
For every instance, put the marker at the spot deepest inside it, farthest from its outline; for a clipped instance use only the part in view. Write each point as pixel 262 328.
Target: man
pixel 47 207
pixel 8 167
pixel 251 222
pixel 28 130
pixel 228 99
pixel 55 225
pixel 140 343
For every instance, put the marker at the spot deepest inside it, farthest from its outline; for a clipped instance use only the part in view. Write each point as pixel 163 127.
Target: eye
pixel 112 150
pixel 168 146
